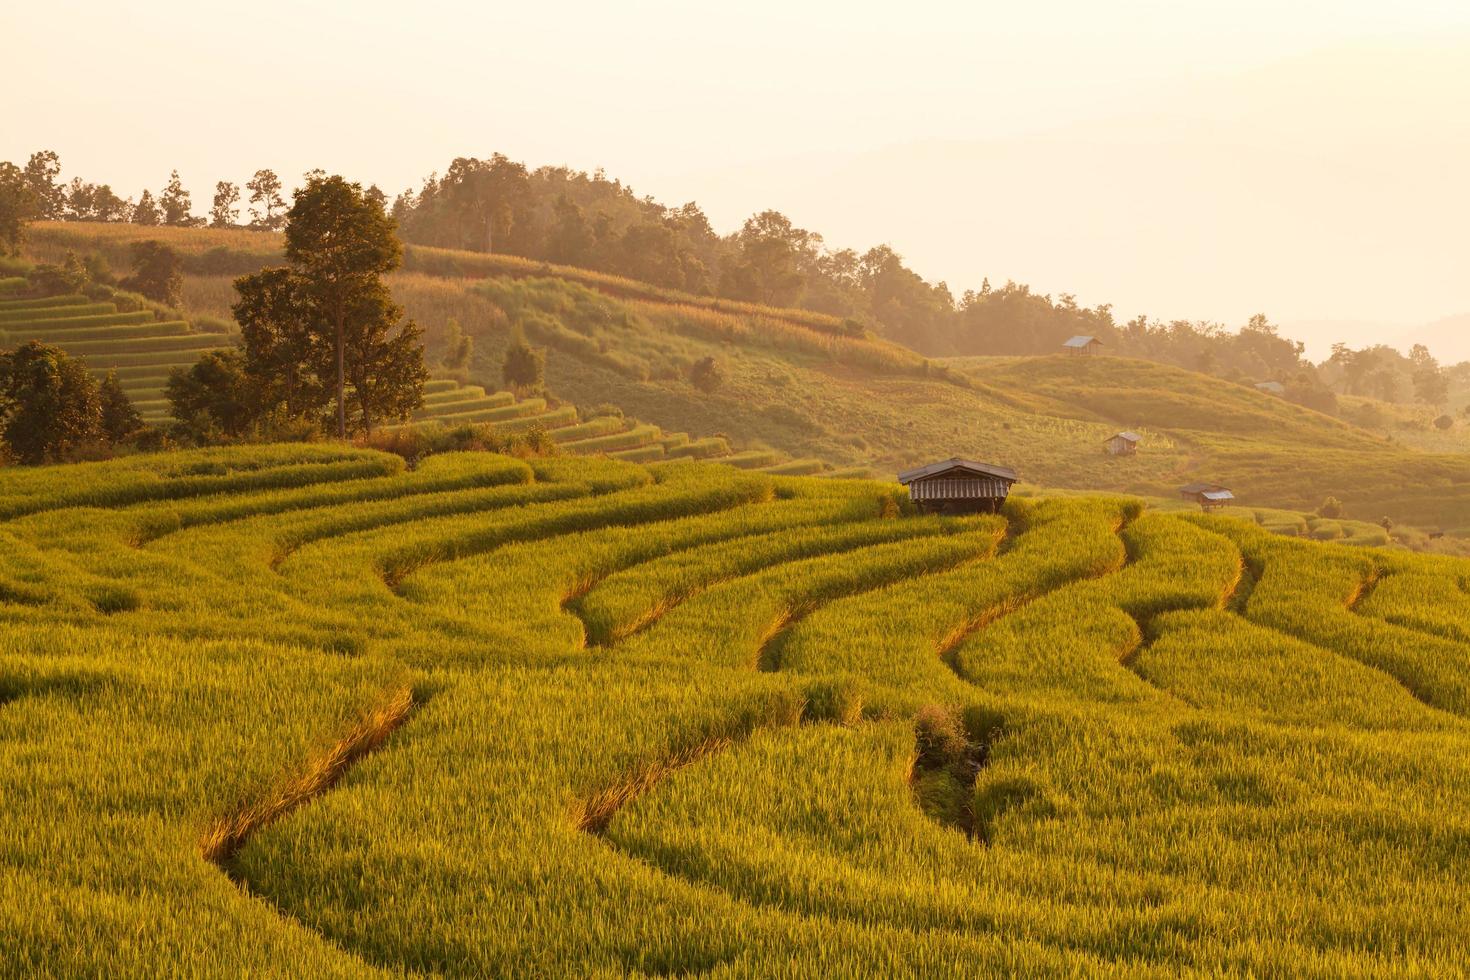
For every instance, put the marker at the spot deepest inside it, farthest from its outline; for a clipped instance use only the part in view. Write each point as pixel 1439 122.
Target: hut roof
pixel 1275 387
pixel 1081 341
pixel 949 465
pixel 1218 495
pixel 1129 436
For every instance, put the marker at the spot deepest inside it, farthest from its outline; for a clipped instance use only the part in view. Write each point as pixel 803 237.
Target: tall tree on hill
pixel 267 209
pixel 49 406
pixel 17 207
pixel 175 204
pixel 158 273
pixel 226 209
pixel 341 244
pixel 145 212
pixel 41 173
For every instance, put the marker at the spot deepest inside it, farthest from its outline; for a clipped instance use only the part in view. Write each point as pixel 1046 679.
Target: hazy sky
pixel 1308 159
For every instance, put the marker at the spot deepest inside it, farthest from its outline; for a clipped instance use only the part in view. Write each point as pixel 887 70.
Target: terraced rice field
pixel 449 402
pixel 298 711
pixel 141 348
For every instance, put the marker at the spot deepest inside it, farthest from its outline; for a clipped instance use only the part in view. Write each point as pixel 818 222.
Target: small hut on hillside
pixel 1271 387
pixel 959 486
pixel 1210 496
pixel 1082 345
pixel 1122 444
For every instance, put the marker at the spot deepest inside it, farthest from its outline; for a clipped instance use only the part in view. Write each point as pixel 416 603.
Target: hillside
pixel 809 388
pixel 298 711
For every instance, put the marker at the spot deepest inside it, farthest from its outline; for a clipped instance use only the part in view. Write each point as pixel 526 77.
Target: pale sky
pixel 1305 158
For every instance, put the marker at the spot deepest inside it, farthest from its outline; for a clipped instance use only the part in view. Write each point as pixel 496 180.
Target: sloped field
pixel 138 346
pixel 298 711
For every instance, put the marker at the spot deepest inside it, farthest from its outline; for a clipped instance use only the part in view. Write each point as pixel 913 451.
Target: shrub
pixel 524 367
pixel 1331 508
pixel 706 374
pixel 1444 422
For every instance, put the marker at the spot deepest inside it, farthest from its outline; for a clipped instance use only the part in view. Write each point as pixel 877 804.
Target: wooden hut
pixel 1210 496
pixel 1122 444
pixel 1271 387
pixel 959 486
pixel 1082 345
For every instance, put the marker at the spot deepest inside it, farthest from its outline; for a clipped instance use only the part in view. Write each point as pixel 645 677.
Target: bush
pixel 1331 508
pixel 525 366
pixel 1444 422
pixel 706 374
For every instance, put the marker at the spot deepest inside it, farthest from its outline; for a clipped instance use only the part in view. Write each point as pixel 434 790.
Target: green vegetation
pixel 304 710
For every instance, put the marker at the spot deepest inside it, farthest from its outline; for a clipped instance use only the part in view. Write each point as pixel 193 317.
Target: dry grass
pixel 223 840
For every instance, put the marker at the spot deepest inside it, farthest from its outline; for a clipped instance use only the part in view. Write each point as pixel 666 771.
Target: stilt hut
pixel 1209 496
pixel 959 486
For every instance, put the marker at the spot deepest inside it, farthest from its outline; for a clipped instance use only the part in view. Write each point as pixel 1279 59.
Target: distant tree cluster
pixel 1383 373
pixel 323 345
pixel 36 192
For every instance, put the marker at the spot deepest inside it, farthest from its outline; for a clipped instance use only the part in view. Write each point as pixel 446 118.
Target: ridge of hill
pixel 807 388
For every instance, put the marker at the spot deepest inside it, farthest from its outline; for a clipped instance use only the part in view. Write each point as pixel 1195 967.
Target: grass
pixel 303 710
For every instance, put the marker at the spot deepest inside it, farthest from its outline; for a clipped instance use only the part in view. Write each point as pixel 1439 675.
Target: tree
pixel 267 209
pixel 17 207
pixel 1431 387
pixel 524 365
pixel 769 267
pixel 51 403
pixel 214 396
pixel 174 203
pixel 226 210
pixel 384 365
pixel 119 419
pixel 158 273
pixel 145 212
pixel 41 173
pixel 340 244
pixel 284 358
pixel 1331 508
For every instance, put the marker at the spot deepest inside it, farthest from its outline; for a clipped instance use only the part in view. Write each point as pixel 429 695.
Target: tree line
pixel 35 192
pixel 564 216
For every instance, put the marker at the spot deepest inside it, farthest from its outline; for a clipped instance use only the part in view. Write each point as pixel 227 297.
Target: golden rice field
pixel 299 711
